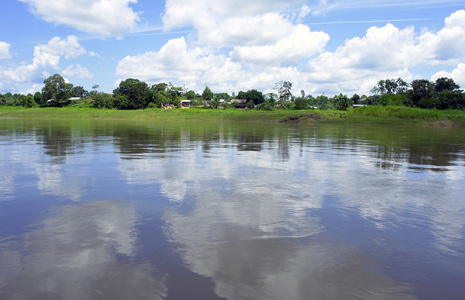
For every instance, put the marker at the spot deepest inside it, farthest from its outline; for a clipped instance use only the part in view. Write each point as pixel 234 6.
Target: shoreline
pixel 363 115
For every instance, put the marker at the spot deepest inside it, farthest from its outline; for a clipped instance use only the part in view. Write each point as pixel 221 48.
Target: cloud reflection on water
pixel 252 212
pixel 73 255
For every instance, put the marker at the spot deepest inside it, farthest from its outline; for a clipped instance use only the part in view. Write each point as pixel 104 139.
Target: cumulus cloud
pixel 388 52
pixel 46 60
pixel 4 50
pixel 300 44
pixel 448 45
pixel 458 75
pixel 103 17
pixel 77 71
pixel 381 48
pixel 231 23
pixel 238 47
pixel 179 13
pixel 174 60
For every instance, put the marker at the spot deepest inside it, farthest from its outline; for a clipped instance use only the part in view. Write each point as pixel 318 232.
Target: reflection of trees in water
pixel 73 255
pixel 390 144
pixel 57 141
pixel 249 142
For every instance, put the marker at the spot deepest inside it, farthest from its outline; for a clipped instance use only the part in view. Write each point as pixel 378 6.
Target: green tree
pixel 79 91
pixel 102 100
pixel 255 96
pixel 190 95
pixel 213 103
pixel 390 86
pixel 207 94
pixel 322 102
pixel 301 103
pixel 241 95
pixel 341 102
pixel 27 101
pixel 420 89
pixel 38 98
pixel 445 84
pixel 451 99
pixel 136 94
pixel 56 89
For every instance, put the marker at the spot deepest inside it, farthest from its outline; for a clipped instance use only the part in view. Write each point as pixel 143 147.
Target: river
pixel 210 210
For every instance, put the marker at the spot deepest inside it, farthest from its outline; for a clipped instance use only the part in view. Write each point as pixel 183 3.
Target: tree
pixel 451 99
pixel 445 84
pixel 56 89
pixel 223 95
pixel 241 95
pixel 390 86
pixel 341 102
pixel 137 94
pixel 284 90
pixel 190 95
pixel 79 91
pixel 421 89
pixel 160 87
pixel 102 100
pixel 255 96
pixel 38 98
pixel 322 102
pixel 207 94
pixel 300 103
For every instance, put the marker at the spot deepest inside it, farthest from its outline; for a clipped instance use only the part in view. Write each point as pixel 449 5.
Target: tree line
pixel 132 93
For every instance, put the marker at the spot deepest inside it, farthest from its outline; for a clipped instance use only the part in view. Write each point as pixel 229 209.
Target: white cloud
pixel 46 60
pixel 174 60
pixel 301 43
pixel 231 23
pixel 179 13
pixel 236 47
pixel 103 17
pixel 458 75
pixel 448 45
pixel 388 52
pixel 4 50
pixel 77 71
pixel 386 48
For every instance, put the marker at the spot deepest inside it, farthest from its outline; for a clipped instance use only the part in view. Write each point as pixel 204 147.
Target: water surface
pixel 119 210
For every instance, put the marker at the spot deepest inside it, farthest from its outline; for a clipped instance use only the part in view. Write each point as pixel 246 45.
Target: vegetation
pixel 441 100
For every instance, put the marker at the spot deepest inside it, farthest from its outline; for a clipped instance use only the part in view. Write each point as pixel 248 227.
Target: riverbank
pixel 369 114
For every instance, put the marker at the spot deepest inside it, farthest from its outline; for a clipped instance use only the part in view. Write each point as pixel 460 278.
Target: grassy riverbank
pixel 400 114
pixel 164 115
pixel 369 114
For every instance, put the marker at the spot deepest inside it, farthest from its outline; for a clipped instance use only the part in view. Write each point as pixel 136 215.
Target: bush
pixel 300 103
pixel 265 106
pixel 429 103
pixel 152 105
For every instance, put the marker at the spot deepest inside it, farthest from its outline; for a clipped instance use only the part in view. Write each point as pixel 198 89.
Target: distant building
pixel 241 103
pixel 185 103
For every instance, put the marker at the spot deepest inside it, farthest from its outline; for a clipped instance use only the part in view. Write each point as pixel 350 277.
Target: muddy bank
pixel 304 118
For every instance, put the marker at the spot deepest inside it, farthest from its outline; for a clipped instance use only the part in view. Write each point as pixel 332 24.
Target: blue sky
pixel 325 46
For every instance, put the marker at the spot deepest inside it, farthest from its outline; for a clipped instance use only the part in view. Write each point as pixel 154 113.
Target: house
pixel 185 103
pixel 241 103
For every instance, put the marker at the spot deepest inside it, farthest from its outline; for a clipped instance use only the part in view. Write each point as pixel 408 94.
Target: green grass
pixel 368 114
pixel 158 114
pixel 409 115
